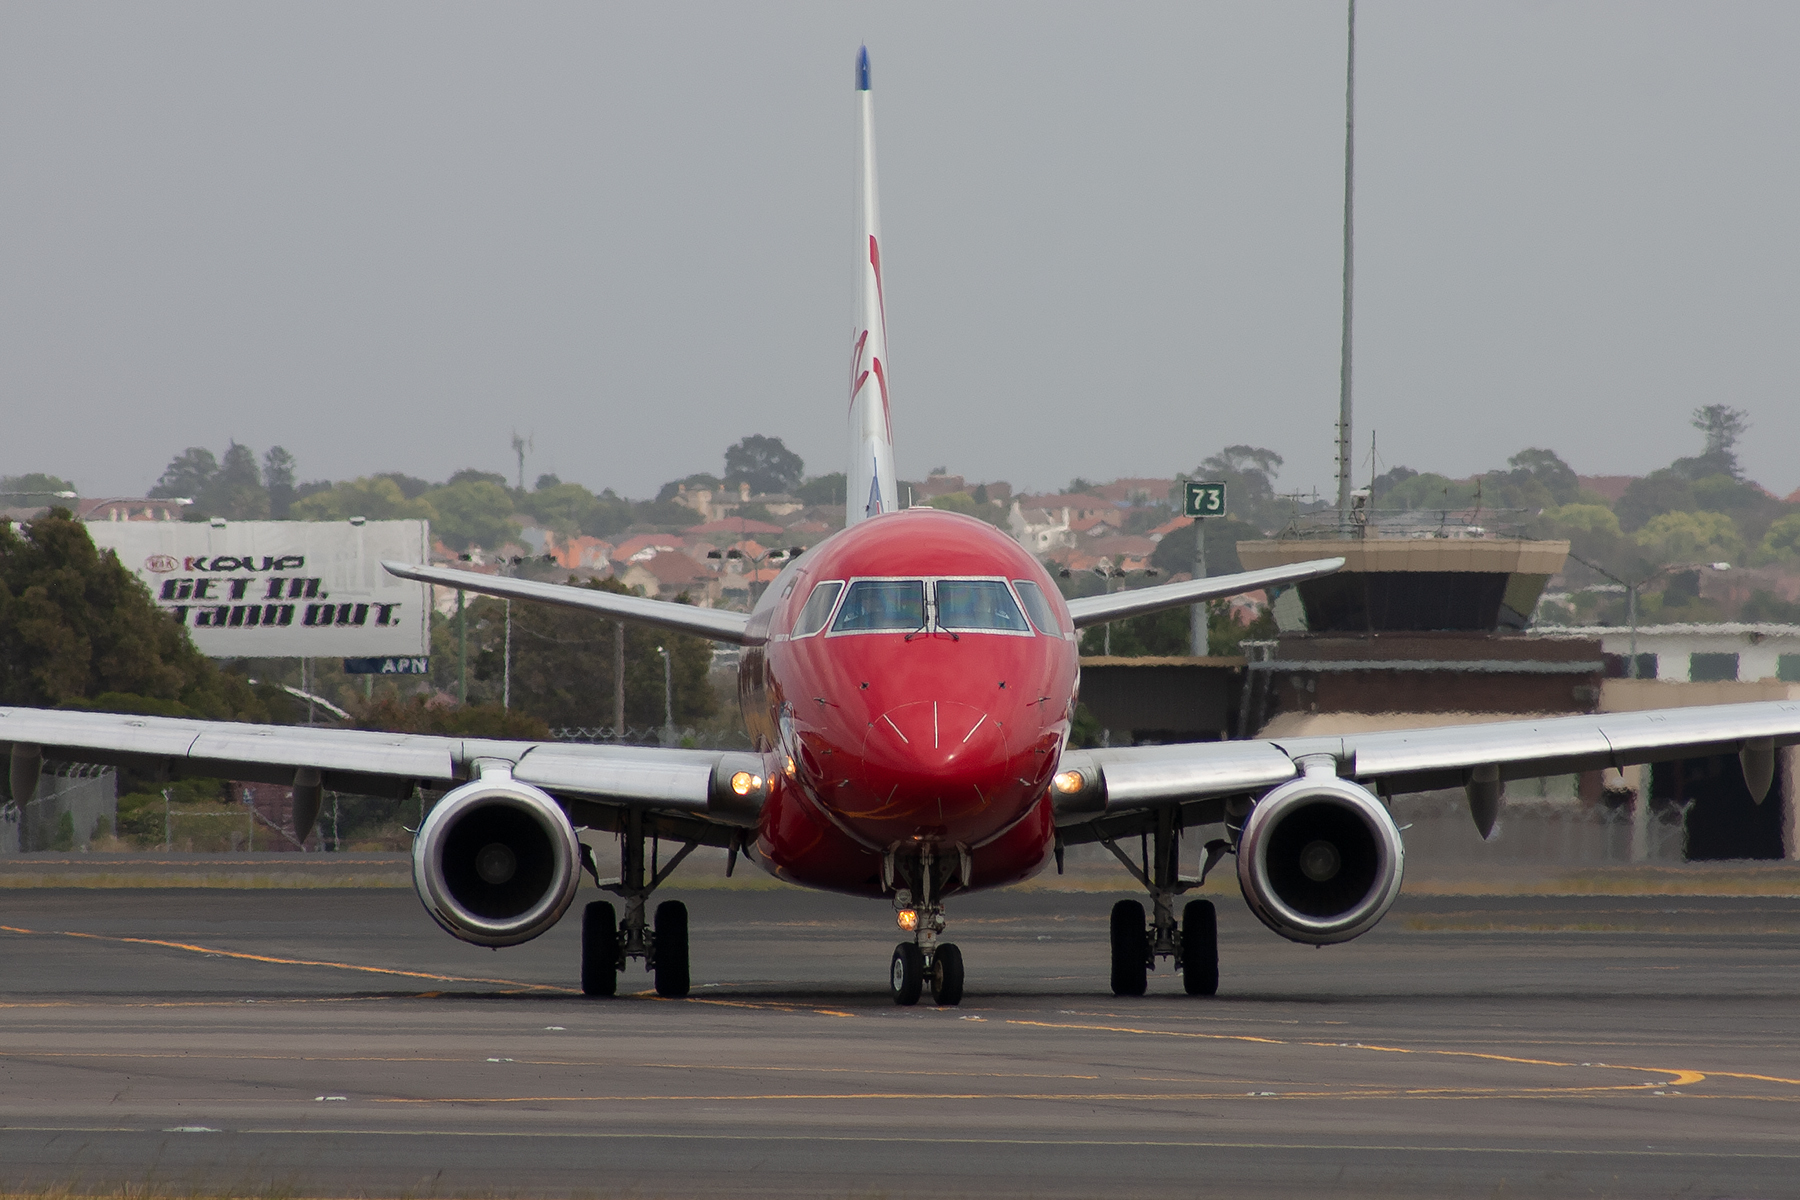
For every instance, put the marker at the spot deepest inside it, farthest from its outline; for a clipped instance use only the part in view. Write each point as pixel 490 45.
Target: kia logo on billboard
pixel 162 564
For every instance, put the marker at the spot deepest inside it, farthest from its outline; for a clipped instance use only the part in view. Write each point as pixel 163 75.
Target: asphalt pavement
pixel 330 1041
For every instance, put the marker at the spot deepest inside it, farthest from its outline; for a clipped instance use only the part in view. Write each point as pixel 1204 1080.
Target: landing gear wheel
pixel 1200 948
pixel 671 949
pixel 947 976
pixel 907 982
pixel 599 949
pixel 1130 949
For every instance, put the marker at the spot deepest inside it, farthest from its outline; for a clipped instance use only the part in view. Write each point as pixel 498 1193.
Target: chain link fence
pixel 1536 831
pixel 75 804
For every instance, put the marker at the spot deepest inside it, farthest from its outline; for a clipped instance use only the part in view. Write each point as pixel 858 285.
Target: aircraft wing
pixel 714 623
pixel 691 788
pixel 1119 782
pixel 1092 610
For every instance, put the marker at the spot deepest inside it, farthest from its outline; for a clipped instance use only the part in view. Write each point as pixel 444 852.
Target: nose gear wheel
pixel 923 960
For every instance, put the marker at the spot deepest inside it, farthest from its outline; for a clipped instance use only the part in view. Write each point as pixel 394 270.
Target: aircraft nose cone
pixel 933 762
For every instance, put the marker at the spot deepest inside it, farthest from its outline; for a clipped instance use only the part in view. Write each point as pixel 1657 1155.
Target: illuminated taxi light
pixel 756 782
pixel 909 919
pixel 744 782
pixel 790 766
pixel 1068 782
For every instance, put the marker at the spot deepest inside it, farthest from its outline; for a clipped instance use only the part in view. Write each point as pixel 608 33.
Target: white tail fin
pixel 870 487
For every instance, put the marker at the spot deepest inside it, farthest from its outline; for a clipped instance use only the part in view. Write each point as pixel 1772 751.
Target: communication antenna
pixel 520 445
pixel 1343 446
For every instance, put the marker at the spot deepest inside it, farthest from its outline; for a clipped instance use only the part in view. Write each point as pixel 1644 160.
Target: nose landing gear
pixel 1137 944
pixel 924 960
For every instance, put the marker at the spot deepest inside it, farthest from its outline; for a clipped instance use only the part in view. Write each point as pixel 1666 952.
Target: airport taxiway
pixel 331 1041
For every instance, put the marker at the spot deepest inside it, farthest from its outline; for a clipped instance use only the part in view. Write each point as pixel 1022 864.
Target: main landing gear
pixel 1137 943
pixel 608 942
pixel 924 960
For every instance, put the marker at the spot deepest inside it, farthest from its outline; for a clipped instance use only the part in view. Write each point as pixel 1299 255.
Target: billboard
pixel 281 589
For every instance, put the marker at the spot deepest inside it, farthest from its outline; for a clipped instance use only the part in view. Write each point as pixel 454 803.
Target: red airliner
pixel 909 684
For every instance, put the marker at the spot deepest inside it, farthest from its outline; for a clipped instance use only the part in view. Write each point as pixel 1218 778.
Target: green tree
pixel 1691 537
pixel 765 464
pixel 664 514
pixel 1428 491
pixel 966 504
pixel 376 497
pixel 1657 493
pixel 1723 426
pixel 278 478
pixel 187 474
pixel 822 489
pixel 235 490
pixel 25 491
pixel 425 714
pixel 411 486
pixel 472 512
pixel 569 508
pixel 471 475
pixel 1557 477
pixel 1175 553
pixel 563 665
pixel 77 628
pixel 1583 519
pixel 1170 633
pixel 1781 544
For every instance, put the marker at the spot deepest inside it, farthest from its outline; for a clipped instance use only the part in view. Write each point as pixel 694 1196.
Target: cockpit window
pixel 818 608
pixel 1042 615
pixel 872 604
pixel 978 604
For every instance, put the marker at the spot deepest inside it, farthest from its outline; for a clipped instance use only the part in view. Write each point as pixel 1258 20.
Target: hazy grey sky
pixel 385 235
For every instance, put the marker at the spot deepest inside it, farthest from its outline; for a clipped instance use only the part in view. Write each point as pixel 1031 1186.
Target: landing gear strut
pixel 607 942
pixel 1137 944
pixel 924 960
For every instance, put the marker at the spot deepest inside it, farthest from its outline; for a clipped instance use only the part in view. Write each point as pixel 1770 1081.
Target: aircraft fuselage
pixel 919 702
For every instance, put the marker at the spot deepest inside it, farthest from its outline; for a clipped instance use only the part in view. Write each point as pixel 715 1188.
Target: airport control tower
pixel 1427 616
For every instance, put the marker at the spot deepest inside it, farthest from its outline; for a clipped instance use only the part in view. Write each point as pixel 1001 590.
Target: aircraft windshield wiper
pixel 931 626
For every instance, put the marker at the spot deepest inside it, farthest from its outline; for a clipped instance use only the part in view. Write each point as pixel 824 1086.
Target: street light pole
pixel 1199 636
pixel 1631 595
pixel 668 696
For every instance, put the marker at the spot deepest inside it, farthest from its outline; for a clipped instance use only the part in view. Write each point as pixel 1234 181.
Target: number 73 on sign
pixel 1203 499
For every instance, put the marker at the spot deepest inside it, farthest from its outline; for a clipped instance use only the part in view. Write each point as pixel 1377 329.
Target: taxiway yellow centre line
pixel 288 962
pixel 1680 1077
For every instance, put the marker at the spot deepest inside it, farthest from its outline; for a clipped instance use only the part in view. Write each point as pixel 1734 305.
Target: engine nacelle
pixel 496 862
pixel 1320 860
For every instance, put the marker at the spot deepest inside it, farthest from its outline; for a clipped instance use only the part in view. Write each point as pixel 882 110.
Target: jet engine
pixel 496 862
pixel 1320 860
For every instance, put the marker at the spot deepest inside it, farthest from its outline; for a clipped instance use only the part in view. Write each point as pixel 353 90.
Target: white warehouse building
pixel 1722 653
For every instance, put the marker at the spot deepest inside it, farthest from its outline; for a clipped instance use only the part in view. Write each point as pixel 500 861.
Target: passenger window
pixel 818 608
pixel 1042 615
pixel 873 604
pixel 978 604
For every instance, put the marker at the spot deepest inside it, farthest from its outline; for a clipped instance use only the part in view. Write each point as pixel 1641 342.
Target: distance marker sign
pixel 1202 499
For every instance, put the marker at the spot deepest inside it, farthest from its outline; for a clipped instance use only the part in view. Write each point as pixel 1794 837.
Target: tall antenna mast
pixel 1343 447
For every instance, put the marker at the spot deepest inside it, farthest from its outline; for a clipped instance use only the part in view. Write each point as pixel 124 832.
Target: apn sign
pixel 411 665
